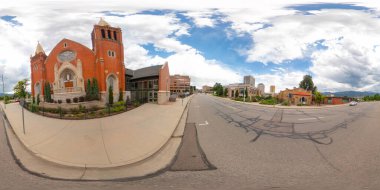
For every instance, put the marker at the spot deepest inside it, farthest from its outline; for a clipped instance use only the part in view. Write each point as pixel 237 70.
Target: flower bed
pixel 81 111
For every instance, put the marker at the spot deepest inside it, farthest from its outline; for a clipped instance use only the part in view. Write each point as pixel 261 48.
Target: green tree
pixel 110 95
pixel 20 88
pixel 88 90
pixel 236 93
pixel 225 92
pixel 246 92
pixel 120 95
pixel 95 89
pixel 47 89
pixel 218 89
pixel 308 84
pixel 38 99
pixel 318 97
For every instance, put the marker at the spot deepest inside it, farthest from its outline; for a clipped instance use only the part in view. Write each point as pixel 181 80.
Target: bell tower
pixel 107 45
pixel 37 66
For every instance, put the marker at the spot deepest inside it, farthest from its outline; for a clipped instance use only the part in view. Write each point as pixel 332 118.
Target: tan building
pixel 206 89
pixel 179 84
pixel 272 90
pixel 296 96
pixel 239 89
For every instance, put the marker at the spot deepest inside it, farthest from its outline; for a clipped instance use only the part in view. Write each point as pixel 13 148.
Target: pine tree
pixel 95 89
pixel 110 95
pixel 38 99
pixel 47 96
pixel 120 95
pixel 88 90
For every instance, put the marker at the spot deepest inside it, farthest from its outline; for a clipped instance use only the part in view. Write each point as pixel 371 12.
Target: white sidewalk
pixel 107 142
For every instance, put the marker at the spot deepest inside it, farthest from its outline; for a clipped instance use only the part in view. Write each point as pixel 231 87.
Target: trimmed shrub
pixel 59 101
pixel 285 103
pixel 74 110
pixel 136 103
pixel 34 108
pixel 117 109
pixel 81 99
pixel 68 100
pixel 75 100
pixel 268 102
pixel 82 108
pixel 94 108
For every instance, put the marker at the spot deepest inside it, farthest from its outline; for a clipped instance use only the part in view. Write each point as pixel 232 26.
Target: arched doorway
pixel 112 81
pixel 302 100
pixel 67 80
pixel 37 89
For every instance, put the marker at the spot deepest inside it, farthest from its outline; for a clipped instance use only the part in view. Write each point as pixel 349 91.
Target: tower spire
pixel 102 22
pixel 39 49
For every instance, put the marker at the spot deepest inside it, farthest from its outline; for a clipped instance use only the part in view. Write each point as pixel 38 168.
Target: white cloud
pixel 202 18
pixel 291 36
pixel 202 71
pixel 350 59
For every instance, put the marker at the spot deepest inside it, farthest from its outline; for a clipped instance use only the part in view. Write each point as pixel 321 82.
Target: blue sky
pixel 216 41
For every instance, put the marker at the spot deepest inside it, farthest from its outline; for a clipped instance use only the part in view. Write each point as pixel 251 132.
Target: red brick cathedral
pixel 70 64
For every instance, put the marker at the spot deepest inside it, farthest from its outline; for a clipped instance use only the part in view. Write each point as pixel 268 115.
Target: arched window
pixel 114 35
pixel 109 34
pixel 103 33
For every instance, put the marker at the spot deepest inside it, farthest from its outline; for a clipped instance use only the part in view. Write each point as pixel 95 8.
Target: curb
pixel 153 174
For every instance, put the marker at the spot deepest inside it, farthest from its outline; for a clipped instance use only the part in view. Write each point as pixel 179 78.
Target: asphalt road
pixel 256 147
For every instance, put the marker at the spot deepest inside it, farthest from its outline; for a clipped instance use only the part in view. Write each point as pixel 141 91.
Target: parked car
pixel 353 103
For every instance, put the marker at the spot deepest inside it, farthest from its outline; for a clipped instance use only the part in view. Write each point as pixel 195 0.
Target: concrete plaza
pixel 102 143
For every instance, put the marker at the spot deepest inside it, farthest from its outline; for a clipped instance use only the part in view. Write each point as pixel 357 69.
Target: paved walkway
pixel 98 143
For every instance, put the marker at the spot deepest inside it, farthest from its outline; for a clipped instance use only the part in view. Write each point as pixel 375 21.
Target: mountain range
pixel 350 93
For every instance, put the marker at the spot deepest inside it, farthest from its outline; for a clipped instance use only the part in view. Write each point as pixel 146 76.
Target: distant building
pixel 206 89
pixel 336 100
pixel 249 80
pixel 149 84
pixel 272 89
pixel 238 89
pixel 179 84
pixel 261 88
pixel 296 96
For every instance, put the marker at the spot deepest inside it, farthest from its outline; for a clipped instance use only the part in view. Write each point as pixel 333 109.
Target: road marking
pixel 203 124
pixel 310 118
